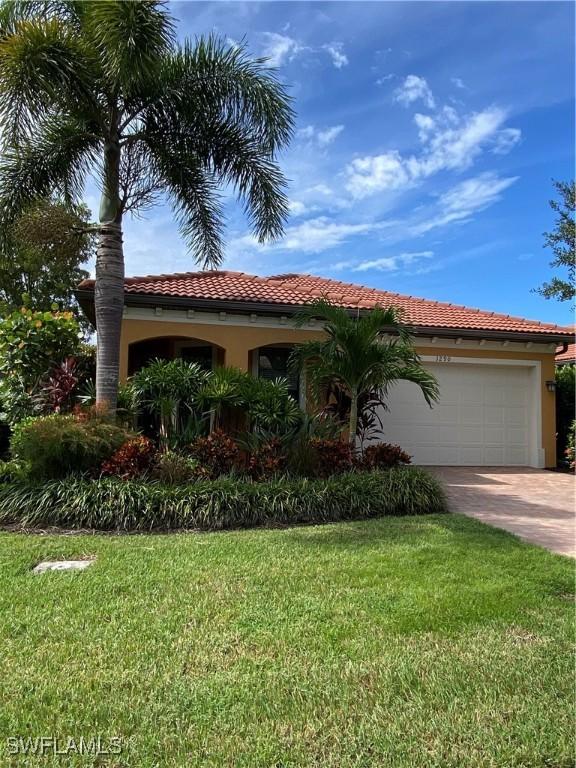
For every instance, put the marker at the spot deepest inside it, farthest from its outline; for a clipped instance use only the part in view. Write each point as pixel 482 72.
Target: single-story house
pixel 496 372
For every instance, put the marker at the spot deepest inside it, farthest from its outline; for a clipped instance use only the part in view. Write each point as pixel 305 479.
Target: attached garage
pixel 487 415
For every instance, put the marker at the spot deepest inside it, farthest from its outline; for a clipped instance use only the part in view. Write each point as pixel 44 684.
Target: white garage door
pixel 483 416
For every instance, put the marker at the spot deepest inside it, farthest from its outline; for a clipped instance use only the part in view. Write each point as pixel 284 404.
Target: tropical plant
pixel 270 406
pixel 168 389
pixel 218 454
pixel 358 356
pixel 224 388
pixel 104 88
pixel 56 392
pixel 331 457
pixel 562 243
pixel 384 456
pixel 132 459
pixel 230 502
pixel 57 445
pixel 172 468
pixel 31 343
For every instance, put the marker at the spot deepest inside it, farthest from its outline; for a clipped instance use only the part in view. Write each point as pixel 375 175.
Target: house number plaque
pixel 443 359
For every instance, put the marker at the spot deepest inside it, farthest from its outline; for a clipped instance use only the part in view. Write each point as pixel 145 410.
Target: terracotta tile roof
pixel 569 354
pixel 297 290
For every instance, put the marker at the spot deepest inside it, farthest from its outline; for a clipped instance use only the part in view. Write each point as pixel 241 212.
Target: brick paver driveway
pixel 535 504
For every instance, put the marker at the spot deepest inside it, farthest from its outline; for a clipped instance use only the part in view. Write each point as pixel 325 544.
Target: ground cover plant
pixel 118 503
pixel 414 642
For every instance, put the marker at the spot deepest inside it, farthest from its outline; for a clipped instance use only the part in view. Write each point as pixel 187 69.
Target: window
pixel 273 364
pixel 200 355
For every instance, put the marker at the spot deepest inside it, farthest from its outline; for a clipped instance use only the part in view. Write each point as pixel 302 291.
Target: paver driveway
pixel 535 504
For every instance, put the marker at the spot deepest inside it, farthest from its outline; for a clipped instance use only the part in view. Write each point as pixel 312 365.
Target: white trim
pixel 254 320
pixel 537 456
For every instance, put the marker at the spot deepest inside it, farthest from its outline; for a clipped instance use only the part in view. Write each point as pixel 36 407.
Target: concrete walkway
pixel 535 504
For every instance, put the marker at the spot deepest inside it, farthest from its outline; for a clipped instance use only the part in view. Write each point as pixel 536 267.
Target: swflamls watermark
pixel 63 745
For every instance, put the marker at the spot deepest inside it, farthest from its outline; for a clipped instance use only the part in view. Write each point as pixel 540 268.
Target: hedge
pixel 127 505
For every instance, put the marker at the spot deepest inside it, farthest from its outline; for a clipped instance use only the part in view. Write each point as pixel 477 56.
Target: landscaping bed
pixel 228 502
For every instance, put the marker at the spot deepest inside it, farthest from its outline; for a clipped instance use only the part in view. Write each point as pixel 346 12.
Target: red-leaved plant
pixel 384 456
pixel 332 457
pixel 267 460
pixel 217 453
pixel 56 392
pixel 131 460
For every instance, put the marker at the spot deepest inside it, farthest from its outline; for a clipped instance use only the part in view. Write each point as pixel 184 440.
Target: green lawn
pixel 426 641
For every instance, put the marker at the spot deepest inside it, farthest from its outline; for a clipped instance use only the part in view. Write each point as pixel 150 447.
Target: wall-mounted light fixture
pixel 551 386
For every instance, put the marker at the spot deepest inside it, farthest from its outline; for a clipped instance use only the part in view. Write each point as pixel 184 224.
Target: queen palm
pixel 102 89
pixel 361 354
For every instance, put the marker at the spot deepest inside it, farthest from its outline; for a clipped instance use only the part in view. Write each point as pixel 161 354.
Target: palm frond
pixel 130 37
pixel 214 79
pixel 45 68
pixel 56 160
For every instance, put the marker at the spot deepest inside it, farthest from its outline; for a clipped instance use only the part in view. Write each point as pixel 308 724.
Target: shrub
pixel 383 456
pixel 267 460
pixel 131 460
pixel 171 468
pixel 55 446
pixel 570 451
pixel 218 454
pixel 112 504
pixel 331 457
pixel 30 344
pixel 565 405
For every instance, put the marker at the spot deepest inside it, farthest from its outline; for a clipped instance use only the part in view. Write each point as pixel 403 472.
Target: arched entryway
pixel 140 353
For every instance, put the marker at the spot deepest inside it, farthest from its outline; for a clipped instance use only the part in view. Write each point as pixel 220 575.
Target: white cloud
pixel 385 78
pixel 279 49
pixel 339 58
pixel 321 234
pixel 449 143
pixel 297 208
pixel 393 263
pixel 458 82
pixel 413 89
pixel 322 137
pixel 370 174
pixel 506 140
pixel 425 124
pixel 462 201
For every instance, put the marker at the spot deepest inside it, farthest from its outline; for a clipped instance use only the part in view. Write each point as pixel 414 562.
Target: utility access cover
pixel 62 565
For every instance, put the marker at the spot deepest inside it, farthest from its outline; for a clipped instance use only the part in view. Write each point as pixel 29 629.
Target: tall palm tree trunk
pixel 353 423
pixel 109 304
pixel 109 287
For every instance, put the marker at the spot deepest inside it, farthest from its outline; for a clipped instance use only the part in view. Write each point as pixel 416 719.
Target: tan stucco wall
pixel 238 341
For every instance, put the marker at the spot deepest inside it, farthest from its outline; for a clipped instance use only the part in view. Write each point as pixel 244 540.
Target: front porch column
pixel 237 356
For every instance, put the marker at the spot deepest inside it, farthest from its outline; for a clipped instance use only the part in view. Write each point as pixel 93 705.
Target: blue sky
pixel 428 135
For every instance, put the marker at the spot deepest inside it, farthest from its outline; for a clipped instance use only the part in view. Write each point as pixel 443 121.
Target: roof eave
pixel 85 298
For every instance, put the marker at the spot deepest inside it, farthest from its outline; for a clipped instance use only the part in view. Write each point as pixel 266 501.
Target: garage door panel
pixel 482 418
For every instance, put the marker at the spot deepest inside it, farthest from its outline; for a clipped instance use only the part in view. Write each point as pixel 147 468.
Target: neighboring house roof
pixel 290 291
pixel 567 355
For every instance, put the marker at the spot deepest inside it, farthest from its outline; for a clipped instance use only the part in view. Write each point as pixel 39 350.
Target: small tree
pixel 41 257
pixel 562 242
pixel 358 358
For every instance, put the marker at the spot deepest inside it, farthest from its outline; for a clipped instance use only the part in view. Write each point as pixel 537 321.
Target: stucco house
pixel 496 372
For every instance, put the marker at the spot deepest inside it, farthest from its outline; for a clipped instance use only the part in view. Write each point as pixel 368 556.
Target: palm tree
pixel 357 357
pixel 102 88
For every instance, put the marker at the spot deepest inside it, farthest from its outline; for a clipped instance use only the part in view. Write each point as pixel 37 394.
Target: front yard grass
pixel 422 641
